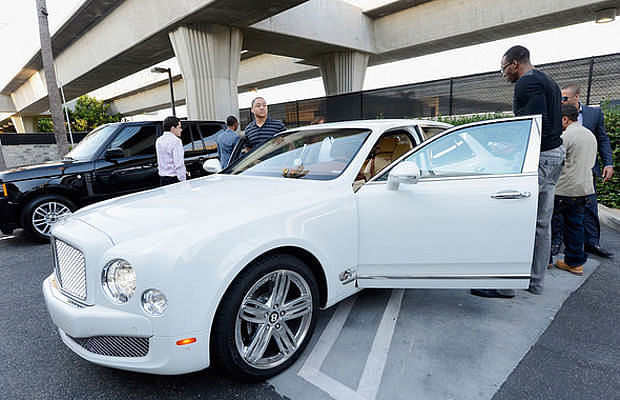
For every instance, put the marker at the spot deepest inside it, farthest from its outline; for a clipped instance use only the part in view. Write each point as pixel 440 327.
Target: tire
pixel 41 212
pixel 254 336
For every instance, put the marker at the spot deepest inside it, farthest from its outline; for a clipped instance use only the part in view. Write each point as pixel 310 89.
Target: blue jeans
pixel 572 211
pixel 550 165
pixel 591 224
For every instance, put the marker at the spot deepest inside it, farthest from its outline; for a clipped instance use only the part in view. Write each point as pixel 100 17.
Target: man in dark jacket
pixel 591 118
pixel 536 93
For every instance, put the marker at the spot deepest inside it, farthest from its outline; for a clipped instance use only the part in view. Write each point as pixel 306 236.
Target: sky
pixel 19 38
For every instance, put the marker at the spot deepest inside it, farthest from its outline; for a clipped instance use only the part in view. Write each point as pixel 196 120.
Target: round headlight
pixel 119 281
pixel 154 302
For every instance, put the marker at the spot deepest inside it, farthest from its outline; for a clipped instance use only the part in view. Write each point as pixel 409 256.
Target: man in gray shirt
pixel 574 188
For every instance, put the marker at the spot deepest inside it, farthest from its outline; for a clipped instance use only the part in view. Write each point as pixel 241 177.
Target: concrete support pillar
pixel 343 72
pixel 209 57
pixel 25 124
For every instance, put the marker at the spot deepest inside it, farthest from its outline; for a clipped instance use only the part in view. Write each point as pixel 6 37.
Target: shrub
pixel 608 193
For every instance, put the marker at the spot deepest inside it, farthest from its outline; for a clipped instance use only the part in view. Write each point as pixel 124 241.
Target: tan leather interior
pixel 388 149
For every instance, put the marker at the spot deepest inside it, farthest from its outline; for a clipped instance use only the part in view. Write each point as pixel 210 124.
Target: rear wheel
pixel 42 212
pixel 266 318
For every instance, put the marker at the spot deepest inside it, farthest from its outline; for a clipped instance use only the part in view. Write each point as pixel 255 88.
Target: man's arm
pixel 178 157
pixel 604 146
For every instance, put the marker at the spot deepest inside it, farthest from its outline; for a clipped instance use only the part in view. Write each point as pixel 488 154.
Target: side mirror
pixel 407 172
pixel 114 153
pixel 212 166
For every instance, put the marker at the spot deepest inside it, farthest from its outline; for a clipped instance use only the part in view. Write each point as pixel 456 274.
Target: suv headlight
pixel 119 281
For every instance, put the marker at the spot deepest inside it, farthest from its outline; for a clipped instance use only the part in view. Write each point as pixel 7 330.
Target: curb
pixel 609 217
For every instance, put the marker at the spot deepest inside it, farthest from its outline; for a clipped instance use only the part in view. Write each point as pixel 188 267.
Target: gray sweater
pixel 576 178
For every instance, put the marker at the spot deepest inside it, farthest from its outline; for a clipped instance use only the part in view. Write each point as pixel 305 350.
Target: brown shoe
pixel 578 270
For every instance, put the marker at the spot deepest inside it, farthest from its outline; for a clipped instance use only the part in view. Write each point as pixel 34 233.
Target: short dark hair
pixel 170 122
pixel 254 99
pixel 573 87
pixel 231 120
pixel 570 112
pixel 518 53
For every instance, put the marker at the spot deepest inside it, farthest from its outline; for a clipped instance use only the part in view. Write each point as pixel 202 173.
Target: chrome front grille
pixel 70 269
pixel 115 346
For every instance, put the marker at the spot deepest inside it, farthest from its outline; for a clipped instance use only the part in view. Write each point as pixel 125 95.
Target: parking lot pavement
pixel 424 344
pixel 35 364
pixel 380 344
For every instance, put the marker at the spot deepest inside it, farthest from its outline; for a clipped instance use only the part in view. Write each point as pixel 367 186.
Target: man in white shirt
pixel 170 154
pixel 574 188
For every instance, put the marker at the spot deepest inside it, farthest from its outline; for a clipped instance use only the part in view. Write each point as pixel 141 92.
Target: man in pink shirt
pixel 170 154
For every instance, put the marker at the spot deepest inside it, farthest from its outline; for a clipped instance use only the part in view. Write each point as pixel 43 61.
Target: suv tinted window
pixel 136 140
pixel 209 133
pixel 88 147
pixel 196 143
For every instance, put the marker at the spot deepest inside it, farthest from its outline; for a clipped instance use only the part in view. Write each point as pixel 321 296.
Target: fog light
pixel 154 302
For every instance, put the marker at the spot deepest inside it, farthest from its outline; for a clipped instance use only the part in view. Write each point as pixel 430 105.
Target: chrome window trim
pixel 464 177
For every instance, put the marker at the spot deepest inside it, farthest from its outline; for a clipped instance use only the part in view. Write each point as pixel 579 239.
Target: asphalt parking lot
pixel 380 344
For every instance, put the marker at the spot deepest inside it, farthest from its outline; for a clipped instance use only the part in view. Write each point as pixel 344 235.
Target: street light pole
pixel 161 70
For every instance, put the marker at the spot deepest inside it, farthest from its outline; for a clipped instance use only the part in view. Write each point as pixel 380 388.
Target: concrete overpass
pixel 285 40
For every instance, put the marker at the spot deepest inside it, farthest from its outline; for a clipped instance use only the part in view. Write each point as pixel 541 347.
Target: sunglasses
pixel 564 98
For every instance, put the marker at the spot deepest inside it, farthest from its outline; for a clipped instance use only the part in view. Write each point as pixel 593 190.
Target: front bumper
pixel 8 215
pixel 164 356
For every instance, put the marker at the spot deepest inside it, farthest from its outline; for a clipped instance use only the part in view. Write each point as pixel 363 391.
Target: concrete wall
pixel 22 154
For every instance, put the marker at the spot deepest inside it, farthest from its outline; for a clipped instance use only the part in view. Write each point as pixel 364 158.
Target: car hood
pixel 213 202
pixel 33 171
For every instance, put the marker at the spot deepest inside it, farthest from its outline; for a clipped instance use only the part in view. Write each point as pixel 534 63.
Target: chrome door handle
pixel 511 194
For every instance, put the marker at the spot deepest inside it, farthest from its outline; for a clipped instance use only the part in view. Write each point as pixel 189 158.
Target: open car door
pixel 459 211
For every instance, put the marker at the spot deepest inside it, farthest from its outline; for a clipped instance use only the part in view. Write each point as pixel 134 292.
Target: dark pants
pixel 572 210
pixel 591 224
pixel 167 180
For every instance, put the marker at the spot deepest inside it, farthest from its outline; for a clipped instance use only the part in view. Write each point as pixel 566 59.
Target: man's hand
pixel 608 171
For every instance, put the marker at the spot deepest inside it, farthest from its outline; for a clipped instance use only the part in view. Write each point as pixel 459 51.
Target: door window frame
pixel 530 162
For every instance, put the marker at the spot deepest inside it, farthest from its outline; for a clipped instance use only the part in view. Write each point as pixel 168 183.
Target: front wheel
pixel 42 212
pixel 266 318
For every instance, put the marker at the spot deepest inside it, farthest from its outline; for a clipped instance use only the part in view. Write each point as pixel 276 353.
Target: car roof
pixel 375 124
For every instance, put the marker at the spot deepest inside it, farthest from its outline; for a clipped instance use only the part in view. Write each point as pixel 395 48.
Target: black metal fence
pixel 599 78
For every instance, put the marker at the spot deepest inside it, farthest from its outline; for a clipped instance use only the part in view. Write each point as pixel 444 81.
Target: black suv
pixel 112 160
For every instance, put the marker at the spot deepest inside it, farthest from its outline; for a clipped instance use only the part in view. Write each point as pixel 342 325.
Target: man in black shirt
pixel 263 127
pixel 536 93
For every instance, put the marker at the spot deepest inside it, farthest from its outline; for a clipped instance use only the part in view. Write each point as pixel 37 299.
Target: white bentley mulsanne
pixel 234 267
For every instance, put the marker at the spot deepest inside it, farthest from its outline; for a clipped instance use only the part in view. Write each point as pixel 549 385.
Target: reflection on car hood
pixel 212 202
pixel 42 170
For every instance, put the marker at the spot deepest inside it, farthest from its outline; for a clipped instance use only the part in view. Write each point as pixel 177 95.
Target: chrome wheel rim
pixel 46 214
pixel 273 319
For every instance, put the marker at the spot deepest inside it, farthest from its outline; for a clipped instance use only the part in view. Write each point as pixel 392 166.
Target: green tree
pixel 45 125
pixel 88 114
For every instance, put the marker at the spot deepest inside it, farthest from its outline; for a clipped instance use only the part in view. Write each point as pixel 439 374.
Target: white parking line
pixel 377 358
pixel 375 363
pixel 7 237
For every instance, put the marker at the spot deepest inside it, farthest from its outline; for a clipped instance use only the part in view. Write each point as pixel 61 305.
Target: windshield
pixel 313 154
pixel 86 149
